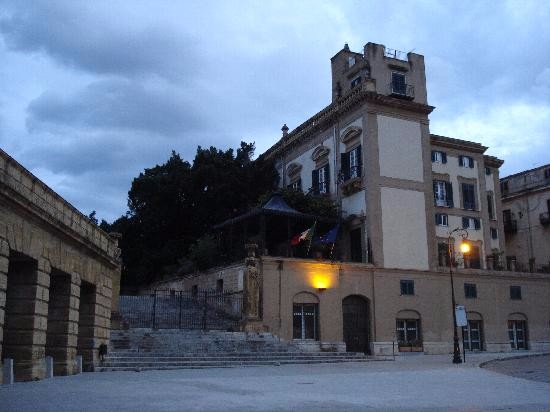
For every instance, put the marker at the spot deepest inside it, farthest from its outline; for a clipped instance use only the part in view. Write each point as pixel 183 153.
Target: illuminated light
pixel 465 247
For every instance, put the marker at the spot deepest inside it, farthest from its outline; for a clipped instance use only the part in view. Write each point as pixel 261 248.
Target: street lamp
pixel 464 248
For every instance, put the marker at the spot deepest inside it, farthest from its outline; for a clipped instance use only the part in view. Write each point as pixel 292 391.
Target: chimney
pixel 285 130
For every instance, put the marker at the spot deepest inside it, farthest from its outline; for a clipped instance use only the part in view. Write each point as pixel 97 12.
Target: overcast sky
pixel 93 92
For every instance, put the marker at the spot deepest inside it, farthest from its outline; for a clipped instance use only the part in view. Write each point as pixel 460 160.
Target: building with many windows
pixel 526 219
pixel 401 191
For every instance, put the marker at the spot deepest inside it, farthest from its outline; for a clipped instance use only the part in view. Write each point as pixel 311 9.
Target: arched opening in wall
pixel 408 331
pixel 517 331
pixel 473 333
pixel 355 313
pixel 86 325
pixel 61 337
pixel 22 323
pixel 305 316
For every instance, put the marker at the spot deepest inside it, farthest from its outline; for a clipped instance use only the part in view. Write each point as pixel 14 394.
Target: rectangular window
pixel 351 61
pixel 472 223
pixel 443 254
pixel 296 185
pixel 515 292
pixel 490 206
pixel 407 287
pixel 504 187
pixel 472 259
pixel 441 219
pixel 468 196
pixel 470 290
pixel 355 82
pixel 487 171
pixel 356 249
pixel 494 233
pixel 466 161
pixel 443 193
pixel 439 157
pixel 398 84
pixel 320 180
pixel 219 285
pixel 305 321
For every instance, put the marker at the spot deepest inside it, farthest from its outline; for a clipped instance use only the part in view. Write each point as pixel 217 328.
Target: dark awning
pixel 275 206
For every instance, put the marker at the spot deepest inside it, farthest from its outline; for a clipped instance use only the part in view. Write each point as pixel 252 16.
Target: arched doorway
pixel 355 311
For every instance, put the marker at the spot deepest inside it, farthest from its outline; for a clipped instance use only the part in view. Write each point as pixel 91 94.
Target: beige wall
pixel 404 229
pixel 284 279
pixel 400 149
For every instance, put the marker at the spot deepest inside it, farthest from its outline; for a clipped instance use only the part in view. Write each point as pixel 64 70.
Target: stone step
pixel 227 354
pixel 220 364
pixel 150 359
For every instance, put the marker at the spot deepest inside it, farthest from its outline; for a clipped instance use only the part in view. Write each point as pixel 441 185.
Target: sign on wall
pixel 461 319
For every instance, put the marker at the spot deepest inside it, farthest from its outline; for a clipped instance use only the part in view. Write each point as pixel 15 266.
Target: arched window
pixel 408 333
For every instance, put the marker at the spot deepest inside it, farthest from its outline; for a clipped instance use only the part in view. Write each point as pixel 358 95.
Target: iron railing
pixel 176 309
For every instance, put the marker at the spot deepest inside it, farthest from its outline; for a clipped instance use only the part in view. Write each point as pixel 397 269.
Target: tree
pixel 170 206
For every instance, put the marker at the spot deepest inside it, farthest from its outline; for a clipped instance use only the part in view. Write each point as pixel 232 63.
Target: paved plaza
pixel 416 382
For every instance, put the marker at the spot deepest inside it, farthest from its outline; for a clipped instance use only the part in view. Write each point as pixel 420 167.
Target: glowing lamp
pixel 464 247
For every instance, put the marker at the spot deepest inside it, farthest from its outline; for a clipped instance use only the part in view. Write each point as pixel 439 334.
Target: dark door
pixel 355 310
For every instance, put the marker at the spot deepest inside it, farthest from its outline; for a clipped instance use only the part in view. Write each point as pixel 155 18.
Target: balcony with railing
pixel 545 218
pixel 395 54
pixel 510 226
pixel 402 90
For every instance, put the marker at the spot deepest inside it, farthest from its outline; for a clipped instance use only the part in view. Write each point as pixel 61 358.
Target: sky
pixel 94 92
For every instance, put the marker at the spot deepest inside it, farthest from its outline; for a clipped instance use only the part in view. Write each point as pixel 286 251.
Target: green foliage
pixel 174 204
pixel 305 203
pixel 203 253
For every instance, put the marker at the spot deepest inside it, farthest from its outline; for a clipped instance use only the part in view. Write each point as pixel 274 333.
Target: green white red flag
pixel 306 235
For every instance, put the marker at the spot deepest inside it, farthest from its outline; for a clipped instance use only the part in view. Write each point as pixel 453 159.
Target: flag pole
pixel 311 237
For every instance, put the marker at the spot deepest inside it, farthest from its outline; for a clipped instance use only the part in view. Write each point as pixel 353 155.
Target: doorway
pixel 355 311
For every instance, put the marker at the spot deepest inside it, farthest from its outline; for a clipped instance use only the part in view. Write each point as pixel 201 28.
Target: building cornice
pixel 458 144
pixel 329 114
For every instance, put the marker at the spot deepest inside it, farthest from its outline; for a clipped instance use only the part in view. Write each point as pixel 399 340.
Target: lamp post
pixel 465 248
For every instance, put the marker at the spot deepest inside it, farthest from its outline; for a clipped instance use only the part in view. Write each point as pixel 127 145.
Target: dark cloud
pixel 115 104
pixel 75 34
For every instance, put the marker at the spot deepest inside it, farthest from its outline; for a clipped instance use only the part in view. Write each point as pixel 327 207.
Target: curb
pixel 528 355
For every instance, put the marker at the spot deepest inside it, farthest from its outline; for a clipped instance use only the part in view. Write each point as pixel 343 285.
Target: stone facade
pixel 59 277
pixel 526 207
pixel 402 191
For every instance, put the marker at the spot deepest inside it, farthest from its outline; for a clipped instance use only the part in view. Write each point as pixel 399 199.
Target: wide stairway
pixel 148 349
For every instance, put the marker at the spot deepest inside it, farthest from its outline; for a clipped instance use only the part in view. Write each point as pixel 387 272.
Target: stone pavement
pixel 535 368
pixel 414 382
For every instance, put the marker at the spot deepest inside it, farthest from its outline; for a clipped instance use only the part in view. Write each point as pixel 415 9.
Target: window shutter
pixel 477 224
pixel 315 181
pixel 443 157
pixel 433 155
pixel 359 160
pixel 471 163
pixel 437 218
pixel 449 192
pixel 327 174
pixel 435 191
pixel 465 223
pixel 344 160
pixel 460 161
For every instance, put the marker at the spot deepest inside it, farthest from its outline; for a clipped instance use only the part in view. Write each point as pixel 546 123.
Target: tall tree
pixel 173 204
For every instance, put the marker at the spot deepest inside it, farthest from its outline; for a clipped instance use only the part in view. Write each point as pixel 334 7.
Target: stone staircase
pixel 148 349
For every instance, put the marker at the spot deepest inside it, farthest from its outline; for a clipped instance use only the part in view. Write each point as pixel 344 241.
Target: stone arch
pixel 517 316
pixel 408 314
pixel 472 315
pixel 305 297
pixel 319 153
pixel 350 133
pixel 293 169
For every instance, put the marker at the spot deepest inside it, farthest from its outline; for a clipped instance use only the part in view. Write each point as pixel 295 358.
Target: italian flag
pixel 305 235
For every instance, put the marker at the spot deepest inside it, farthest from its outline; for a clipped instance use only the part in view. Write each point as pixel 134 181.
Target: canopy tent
pixel 271 226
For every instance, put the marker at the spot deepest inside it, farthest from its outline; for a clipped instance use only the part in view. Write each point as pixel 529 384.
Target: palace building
pixel 401 192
